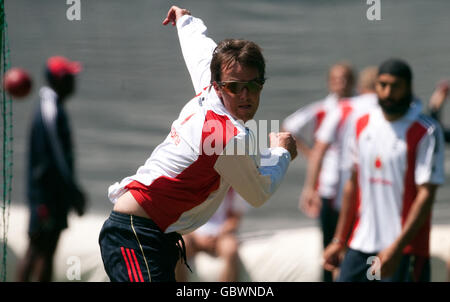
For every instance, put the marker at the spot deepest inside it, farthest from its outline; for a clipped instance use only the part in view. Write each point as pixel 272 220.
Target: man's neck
pixel 393 117
pixel 366 91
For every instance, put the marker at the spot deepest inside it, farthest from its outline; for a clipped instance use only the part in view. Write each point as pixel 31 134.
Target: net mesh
pixel 7 141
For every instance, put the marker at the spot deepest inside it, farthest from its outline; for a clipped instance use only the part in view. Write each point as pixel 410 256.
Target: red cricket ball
pixel 17 82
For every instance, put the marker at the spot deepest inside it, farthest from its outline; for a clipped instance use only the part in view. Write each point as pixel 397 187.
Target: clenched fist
pixel 285 140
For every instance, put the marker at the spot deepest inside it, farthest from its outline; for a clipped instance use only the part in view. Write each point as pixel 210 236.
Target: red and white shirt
pixel 391 159
pixel 303 124
pixel 333 131
pixel 187 176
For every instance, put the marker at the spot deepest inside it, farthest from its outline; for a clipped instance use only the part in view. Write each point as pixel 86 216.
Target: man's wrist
pixel 180 22
pixel 309 188
pixel 281 152
pixel 337 240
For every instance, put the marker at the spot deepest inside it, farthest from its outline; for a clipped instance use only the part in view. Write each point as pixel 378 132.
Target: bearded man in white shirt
pixel 397 155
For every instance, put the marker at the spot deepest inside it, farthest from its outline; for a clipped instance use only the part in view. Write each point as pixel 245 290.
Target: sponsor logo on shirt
pixel 378 165
pixel 375 180
pixel 174 135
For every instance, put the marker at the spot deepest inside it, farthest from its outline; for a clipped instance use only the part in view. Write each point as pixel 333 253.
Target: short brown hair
pixel 230 51
pixel 348 68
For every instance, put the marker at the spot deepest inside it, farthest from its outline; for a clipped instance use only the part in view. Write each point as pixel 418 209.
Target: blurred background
pixel 134 82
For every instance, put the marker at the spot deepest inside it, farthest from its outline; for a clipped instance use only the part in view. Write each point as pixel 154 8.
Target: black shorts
pixel 46 218
pixel 45 227
pixel 328 221
pixel 134 249
pixel 44 242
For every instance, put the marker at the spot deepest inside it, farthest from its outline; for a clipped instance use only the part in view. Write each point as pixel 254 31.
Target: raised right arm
pixel 196 47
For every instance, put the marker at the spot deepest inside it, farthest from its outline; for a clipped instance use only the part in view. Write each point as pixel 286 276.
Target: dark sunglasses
pixel 236 87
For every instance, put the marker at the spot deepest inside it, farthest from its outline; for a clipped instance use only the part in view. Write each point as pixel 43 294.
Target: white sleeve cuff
pixel 183 21
pixel 281 152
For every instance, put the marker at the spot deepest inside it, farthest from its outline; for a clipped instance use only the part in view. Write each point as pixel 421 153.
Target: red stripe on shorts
pixel 137 266
pixel 132 265
pixel 126 262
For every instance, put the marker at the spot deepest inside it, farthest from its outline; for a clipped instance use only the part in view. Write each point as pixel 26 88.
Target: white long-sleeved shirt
pixel 187 176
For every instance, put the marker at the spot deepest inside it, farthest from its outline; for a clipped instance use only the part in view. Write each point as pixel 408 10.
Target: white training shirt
pixel 303 124
pixel 391 159
pixel 187 176
pixel 332 131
